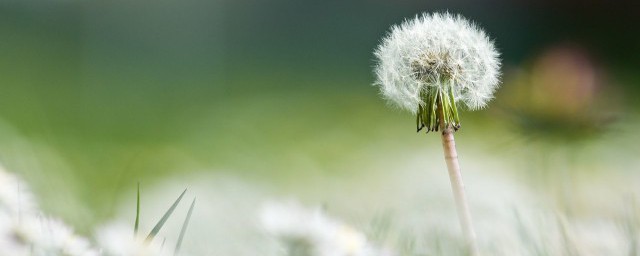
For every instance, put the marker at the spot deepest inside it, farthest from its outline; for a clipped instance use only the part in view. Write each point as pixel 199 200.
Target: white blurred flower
pixel 47 236
pixel 25 231
pixel 15 196
pixel 225 222
pixel 437 57
pixel 309 232
pixel 117 239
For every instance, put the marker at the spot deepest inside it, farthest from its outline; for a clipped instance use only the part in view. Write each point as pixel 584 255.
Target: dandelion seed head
pixel 435 51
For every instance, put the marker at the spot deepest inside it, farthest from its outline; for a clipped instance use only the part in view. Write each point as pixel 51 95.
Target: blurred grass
pixel 97 97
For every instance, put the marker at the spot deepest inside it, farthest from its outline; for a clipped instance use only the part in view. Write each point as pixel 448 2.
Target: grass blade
pixel 164 219
pixel 183 230
pixel 137 223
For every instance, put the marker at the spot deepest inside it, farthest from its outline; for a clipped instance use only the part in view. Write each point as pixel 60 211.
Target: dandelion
pixel 429 66
pixel 434 62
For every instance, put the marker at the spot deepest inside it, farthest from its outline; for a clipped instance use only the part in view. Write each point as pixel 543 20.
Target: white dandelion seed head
pixel 437 50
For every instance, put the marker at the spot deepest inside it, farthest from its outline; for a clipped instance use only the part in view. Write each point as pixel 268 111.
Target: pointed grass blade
pixel 164 219
pixel 137 223
pixel 183 230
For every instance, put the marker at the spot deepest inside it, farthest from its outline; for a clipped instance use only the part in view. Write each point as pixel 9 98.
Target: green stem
pixel 457 186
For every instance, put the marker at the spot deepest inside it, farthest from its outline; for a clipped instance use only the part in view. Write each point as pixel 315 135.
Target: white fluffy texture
pixel 327 237
pixel 15 196
pixel 451 43
pixel 25 231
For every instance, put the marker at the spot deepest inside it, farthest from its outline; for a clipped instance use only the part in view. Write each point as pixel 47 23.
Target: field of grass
pixel 258 116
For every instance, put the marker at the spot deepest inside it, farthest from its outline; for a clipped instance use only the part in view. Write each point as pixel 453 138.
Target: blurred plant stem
pixel 451 158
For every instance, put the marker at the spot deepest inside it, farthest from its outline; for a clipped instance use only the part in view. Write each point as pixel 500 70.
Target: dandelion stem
pixel 451 158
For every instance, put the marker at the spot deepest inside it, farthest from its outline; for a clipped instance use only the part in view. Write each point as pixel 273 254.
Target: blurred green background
pixel 96 96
